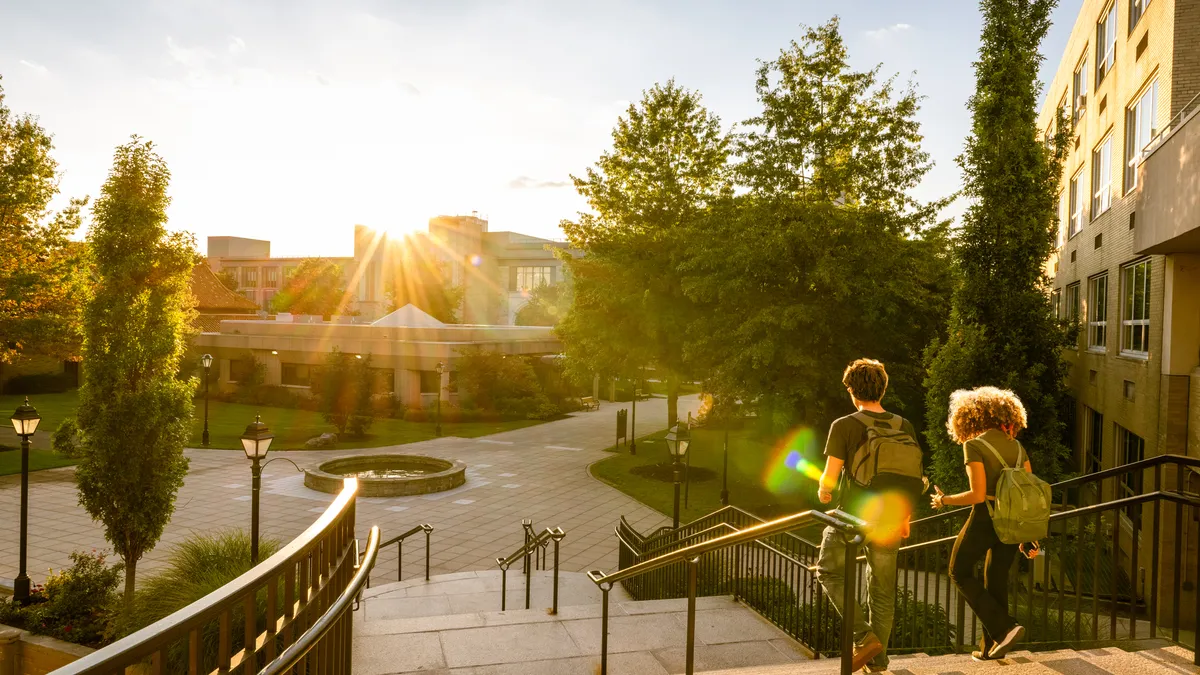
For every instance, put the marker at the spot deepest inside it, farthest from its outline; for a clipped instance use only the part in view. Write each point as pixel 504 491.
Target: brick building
pixel 1127 265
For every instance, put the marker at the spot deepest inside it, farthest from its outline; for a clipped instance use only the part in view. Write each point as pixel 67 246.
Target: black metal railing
pixel 293 604
pixel 398 540
pixel 528 554
pixel 760 563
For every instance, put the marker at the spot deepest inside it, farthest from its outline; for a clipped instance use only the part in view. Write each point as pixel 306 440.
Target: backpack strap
pixel 895 423
pixel 996 452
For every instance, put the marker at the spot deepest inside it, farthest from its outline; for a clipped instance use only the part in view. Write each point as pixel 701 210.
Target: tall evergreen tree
pixel 135 411
pixel 668 162
pixel 1001 330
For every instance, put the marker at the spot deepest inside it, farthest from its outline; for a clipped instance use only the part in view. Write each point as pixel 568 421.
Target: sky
pixel 293 120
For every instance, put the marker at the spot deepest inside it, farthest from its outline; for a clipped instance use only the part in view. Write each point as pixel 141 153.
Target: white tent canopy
pixel 408 316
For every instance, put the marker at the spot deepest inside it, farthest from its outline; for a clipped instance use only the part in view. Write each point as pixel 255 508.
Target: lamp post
pixel 255 441
pixel 677 444
pixel 633 422
pixel 206 361
pixel 441 368
pixel 24 421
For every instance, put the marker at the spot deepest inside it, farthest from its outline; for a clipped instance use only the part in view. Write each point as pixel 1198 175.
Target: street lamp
pixel 24 421
pixel 441 368
pixel 255 441
pixel 206 361
pixel 677 439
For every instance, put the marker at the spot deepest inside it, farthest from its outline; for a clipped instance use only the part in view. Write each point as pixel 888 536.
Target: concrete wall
pixel 23 653
pixel 1169 204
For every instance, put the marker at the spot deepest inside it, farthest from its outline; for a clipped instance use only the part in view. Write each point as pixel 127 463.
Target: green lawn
pixel 227 422
pixel 10 460
pixel 759 480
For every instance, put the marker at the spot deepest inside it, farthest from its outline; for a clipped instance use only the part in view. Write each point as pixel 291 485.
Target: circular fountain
pixel 387 475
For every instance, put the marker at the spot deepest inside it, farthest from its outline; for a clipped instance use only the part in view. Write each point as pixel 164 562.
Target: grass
pixel 10 460
pixel 758 481
pixel 227 422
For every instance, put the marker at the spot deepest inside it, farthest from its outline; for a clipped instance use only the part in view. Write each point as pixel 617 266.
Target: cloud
pixel 883 33
pixel 34 66
pixel 236 45
pixel 409 88
pixel 527 183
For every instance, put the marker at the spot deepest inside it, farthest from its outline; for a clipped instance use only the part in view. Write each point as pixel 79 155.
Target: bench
pixel 589 403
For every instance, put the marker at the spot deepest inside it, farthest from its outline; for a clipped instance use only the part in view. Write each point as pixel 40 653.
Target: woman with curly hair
pixel 986 421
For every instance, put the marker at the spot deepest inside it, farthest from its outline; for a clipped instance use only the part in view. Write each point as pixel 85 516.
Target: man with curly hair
pixel 866 381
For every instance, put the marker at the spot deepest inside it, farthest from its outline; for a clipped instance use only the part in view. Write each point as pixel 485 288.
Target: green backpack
pixel 1021 512
pixel 889 458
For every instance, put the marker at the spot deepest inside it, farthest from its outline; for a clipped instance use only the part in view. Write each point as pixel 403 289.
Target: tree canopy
pixel 135 410
pixel 43 275
pixel 1001 330
pixel 316 287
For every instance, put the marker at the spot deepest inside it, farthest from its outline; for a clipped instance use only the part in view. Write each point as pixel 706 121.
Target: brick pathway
pixel 538 472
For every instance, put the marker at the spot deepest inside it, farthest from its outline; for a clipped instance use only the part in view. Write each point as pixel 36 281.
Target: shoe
pixel 1002 647
pixel 874 669
pixel 866 650
pixel 980 656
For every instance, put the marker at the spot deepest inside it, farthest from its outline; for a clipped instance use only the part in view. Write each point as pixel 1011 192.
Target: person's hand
pixel 936 500
pixel 824 495
pixel 1030 550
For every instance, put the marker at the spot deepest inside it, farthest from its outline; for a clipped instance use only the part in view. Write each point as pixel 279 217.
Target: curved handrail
pixel 836 518
pixel 529 546
pixel 154 638
pixel 326 622
pixel 423 527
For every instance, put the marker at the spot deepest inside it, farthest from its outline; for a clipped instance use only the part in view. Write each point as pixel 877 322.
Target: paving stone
pixel 644 632
pixel 385 654
pixel 711 657
pixel 507 644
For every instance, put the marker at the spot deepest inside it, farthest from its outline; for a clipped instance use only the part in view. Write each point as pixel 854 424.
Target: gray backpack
pixel 1021 512
pixel 888 454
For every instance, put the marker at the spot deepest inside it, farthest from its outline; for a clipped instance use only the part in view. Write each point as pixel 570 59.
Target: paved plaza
pixel 539 473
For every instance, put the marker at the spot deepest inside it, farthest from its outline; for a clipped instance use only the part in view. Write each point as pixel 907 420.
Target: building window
pixel 1093 443
pixel 270 277
pixel 1106 43
pixel 295 374
pixel 1131 448
pixel 383 380
pixel 1135 309
pixel 1076 205
pixel 266 300
pixel 1056 303
pixel 241 370
pixel 1136 9
pixel 1102 178
pixel 252 296
pixel 1097 310
pixel 1079 91
pixel 1139 130
pixel 430 381
pixel 250 277
pixel 529 278
pixel 1071 306
pixel 1062 222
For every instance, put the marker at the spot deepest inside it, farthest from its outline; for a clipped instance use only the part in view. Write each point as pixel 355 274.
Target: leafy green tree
pixel 825 257
pixel 316 287
pixel 668 162
pixel 43 275
pixel 492 381
pixel 1001 330
pixel 546 305
pixel 135 412
pixel 345 387
pixel 228 279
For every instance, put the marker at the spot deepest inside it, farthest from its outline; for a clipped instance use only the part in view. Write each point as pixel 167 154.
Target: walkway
pixel 538 472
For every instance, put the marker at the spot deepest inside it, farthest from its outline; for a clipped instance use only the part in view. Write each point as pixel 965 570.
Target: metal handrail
pixel 530 547
pixel 336 612
pixel 153 640
pixel 399 541
pixel 690 555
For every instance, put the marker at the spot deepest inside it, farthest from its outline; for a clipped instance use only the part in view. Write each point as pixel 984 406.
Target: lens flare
pixel 789 470
pixel 887 517
pixel 476 260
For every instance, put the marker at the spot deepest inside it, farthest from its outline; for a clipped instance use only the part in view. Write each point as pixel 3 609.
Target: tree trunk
pixel 672 383
pixel 130 577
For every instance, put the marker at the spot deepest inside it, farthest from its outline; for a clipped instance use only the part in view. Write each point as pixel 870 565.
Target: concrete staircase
pixel 451 625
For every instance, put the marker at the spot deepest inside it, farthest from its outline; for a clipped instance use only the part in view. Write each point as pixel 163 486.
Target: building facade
pixel 1127 266
pixel 495 270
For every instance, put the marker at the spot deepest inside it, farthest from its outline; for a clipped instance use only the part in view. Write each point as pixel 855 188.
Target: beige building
pixel 496 270
pixel 1128 261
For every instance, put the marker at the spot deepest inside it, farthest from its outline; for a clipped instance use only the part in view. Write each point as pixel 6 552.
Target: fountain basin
pixel 387 475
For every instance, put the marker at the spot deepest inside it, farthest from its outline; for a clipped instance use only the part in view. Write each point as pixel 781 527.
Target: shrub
pixel 505 384
pixel 415 415
pixel 345 390
pixel 66 439
pixel 42 383
pixel 544 411
pixel 358 425
pixel 75 605
pixel 198 566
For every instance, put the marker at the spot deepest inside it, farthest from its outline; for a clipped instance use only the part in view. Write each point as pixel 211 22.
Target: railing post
pixel 400 560
pixel 503 588
pixel 693 566
pixel 604 589
pixel 428 530
pixel 849 600
pixel 528 577
pixel 557 536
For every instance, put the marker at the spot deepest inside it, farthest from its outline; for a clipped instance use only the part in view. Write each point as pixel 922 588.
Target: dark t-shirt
pixel 846 434
pixel 976 451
